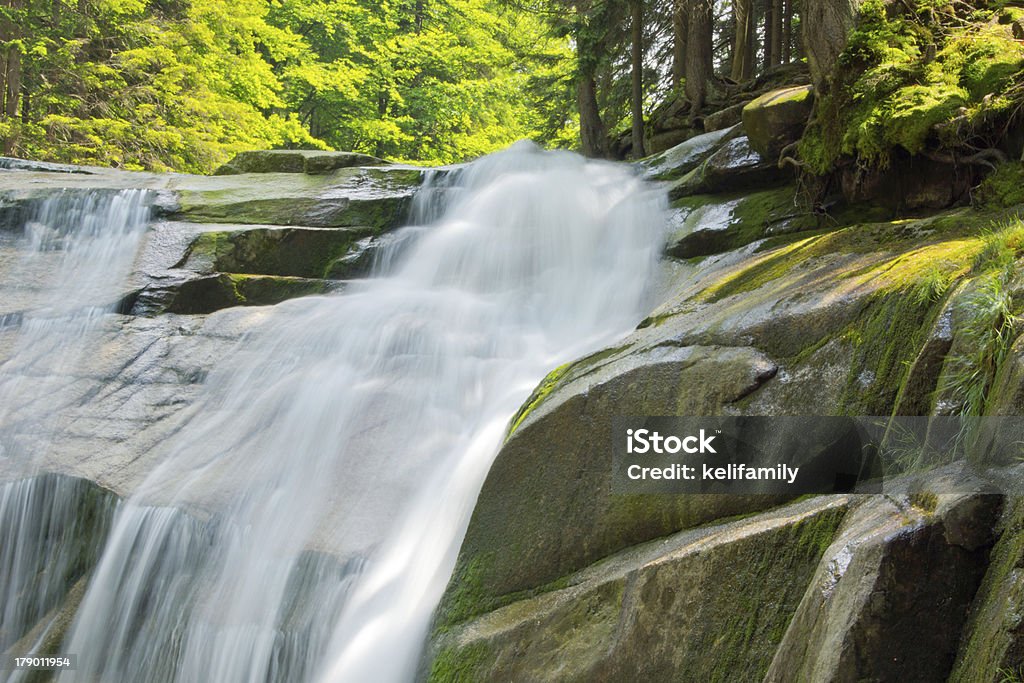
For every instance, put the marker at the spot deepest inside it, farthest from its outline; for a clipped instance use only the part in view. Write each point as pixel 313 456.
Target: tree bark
pixel 638 79
pixel 787 31
pixel 593 140
pixel 743 43
pixel 699 66
pixel 826 25
pixel 679 30
pixel 773 32
pixel 9 33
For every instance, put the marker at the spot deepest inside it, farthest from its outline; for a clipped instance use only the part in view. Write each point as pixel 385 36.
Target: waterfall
pixel 304 523
pixel 70 259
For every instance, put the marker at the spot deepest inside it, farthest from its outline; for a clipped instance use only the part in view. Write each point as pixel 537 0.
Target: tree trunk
pixel 826 25
pixel 679 30
pixel 593 142
pixel 638 80
pixel 10 32
pixel 787 31
pixel 773 32
pixel 418 15
pixel 699 66
pixel 742 47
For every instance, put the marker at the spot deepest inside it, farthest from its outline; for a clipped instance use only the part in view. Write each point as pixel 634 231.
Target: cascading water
pixel 302 526
pixel 75 250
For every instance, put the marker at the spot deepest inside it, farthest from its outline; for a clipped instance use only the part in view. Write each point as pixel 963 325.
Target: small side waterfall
pixel 75 251
pixel 304 523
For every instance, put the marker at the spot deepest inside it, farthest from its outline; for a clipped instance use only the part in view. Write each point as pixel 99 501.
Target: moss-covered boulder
pixel 373 197
pixel 313 162
pixel 711 225
pixel 214 292
pixel 825 324
pixel 681 608
pixel 290 252
pixel 777 119
pixel 523 532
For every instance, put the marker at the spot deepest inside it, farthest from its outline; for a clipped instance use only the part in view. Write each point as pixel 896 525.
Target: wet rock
pixel 716 224
pixel 291 252
pixel 374 197
pixel 892 593
pixel 777 119
pixel 682 158
pixel 665 610
pixel 993 639
pixel 214 292
pixel 734 166
pixel 524 534
pixel 312 162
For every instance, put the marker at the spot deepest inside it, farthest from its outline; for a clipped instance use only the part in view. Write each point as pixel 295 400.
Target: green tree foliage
pixel 917 76
pixel 185 84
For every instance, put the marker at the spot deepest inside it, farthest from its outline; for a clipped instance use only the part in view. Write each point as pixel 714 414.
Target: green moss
pixel 756 621
pixel 993 629
pixel 925 500
pixel 903 82
pixel 542 391
pixel 459 664
pixel 1003 188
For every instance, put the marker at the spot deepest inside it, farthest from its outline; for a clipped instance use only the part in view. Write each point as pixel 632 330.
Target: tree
pixel 638 78
pixel 826 25
pixel 699 64
pixel 680 30
pixel 743 43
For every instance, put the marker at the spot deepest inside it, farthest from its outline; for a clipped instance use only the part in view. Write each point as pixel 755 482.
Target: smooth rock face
pixel 313 162
pixel 734 166
pixel 777 119
pixel 993 640
pixel 822 324
pixel 892 593
pixel 523 532
pixel 658 609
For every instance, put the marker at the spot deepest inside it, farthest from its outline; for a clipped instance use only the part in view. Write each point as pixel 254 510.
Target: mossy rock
pixel 720 344
pixel 215 292
pixel 313 162
pixel 733 167
pixel 993 643
pixel 1003 188
pixel 777 119
pixel 893 592
pixel 715 224
pixel 376 197
pixel 680 608
pixel 524 534
pixel 291 252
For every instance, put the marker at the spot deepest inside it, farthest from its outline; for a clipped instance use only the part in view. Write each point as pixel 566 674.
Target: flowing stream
pixel 304 523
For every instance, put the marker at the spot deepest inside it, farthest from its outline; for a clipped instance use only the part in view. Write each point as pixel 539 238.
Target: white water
pixel 86 243
pixel 304 523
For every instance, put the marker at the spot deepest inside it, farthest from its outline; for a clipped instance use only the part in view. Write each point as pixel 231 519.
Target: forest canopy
pixel 185 84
